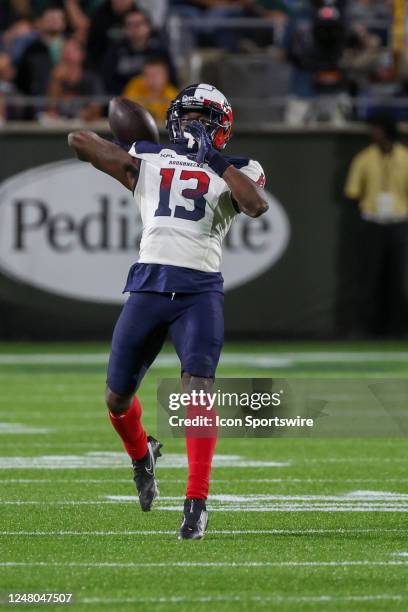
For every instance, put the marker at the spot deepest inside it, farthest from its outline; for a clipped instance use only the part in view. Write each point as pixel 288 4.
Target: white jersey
pixel 186 209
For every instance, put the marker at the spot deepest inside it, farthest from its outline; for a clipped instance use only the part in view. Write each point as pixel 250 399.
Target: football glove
pixel 206 152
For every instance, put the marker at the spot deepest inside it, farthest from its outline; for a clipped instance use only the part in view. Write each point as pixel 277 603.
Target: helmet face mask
pixel 206 100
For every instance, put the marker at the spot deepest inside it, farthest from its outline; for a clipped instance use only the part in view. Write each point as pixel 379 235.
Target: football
pixel 130 122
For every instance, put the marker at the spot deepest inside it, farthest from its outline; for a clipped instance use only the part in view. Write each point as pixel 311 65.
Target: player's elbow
pixel 257 208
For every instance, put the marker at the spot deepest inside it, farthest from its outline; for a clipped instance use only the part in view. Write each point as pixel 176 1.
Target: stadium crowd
pixel 73 54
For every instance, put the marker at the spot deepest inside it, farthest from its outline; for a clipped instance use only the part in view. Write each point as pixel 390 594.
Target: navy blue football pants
pixel 194 321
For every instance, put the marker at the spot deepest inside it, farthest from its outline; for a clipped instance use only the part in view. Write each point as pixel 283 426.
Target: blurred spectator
pixel 378 184
pixel 70 81
pixel 328 44
pixel 204 12
pixel 376 15
pixel 42 53
pixel 403 73
pixel 314 45
pixel 152 89
pixel 156 9
pixel 224 37
pixel 126 59
pixel 77 18
pixel 361 59
pixel 13 10
pixel 364 10
pixel 298 44
pixel 7 15
pixel 192 7
pixel 31 9
pixel 107 24
pixel 7 88
pixel 22 7
pixel 16 38
pixel 77 12
pixel 275 11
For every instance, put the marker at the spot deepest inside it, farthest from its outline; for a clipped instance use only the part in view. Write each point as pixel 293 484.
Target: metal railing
pixel 250 114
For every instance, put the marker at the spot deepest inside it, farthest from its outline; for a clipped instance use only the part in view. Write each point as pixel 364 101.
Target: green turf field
pixel 295 524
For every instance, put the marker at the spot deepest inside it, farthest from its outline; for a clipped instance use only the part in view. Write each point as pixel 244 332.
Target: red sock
pixel 130 429
pixel 200 451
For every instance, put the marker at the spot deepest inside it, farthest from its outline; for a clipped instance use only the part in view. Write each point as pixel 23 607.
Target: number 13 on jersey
pixel 195 194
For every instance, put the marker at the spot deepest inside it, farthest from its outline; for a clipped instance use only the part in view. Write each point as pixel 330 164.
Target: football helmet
pixel 207 100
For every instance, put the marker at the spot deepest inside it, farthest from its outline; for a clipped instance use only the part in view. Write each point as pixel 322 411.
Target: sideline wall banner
pixel 68 235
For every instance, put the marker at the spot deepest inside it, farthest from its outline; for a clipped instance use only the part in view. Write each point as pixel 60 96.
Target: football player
pixel 188 195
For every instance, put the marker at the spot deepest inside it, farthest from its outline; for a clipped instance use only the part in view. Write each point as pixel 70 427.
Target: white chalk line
pixel 8 429
pixel 115 460
pixel 97 446
pixel 277 599
pixel 230 481
pixel 228 509
pixel 354 501
pixel 259 360
pixel 63 446
pixel 349 498
pixel 53 399
pixel 207 564
pixel 298 508
pixel 359 459
pixel 357 496
pixel 53 358
pixel 159 532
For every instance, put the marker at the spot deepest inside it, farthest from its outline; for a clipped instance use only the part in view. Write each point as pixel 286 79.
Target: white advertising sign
pixel 71 230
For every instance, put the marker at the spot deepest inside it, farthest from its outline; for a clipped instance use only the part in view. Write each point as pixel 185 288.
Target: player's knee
pixel 190 382
pixel 117 404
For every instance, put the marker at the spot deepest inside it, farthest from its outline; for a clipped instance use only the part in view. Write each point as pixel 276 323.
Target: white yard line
pixel 230 482
pixel 243 509
pixel 299 508
pixel 353 501
pixel 97 446
pixel 265 360
pixel 53 399
pixel 75 480
pixel 160 532
pixel 8 429
pixel 359 459
pixel 116 460
pixel 50 358
pixel 278 599
pixel 352 497
pixel 208 564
